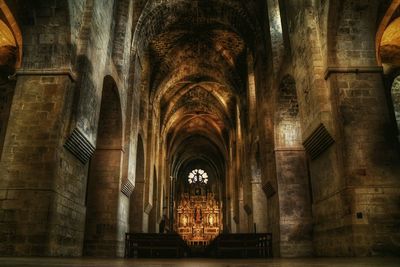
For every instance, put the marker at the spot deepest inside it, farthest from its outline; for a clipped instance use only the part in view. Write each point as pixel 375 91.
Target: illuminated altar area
pixel 198 213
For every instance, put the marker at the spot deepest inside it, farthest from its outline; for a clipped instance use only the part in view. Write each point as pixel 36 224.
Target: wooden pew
pixel 154 245
pixel 241 246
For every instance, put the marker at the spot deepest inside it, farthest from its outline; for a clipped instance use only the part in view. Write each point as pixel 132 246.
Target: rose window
pixel 198 176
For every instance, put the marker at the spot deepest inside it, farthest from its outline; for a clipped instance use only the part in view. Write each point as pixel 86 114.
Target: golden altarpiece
pixel 198 217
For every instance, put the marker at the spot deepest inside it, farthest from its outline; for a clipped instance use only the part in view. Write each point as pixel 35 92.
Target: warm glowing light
pixel 391 36
pixel 6 36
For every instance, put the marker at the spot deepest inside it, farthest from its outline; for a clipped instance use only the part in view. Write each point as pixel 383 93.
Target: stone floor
pixel 314 262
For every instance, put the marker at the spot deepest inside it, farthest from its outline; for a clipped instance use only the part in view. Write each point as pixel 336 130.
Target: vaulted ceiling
pixel 197 52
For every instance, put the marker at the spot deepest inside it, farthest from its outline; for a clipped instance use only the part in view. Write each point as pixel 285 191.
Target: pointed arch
pixel 102 222
pixel 136 206
pixel 14 31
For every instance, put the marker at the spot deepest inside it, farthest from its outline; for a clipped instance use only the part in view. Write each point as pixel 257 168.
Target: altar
pixel 198 218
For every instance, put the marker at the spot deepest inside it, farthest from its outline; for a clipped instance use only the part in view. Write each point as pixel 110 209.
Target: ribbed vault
pixel 197 53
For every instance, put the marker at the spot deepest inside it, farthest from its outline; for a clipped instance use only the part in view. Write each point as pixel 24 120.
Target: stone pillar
pixel 370 158
pixel 122 224
pixel 243 215
pixel 146 217
pixel 102 221
pixel 154 217
pixel 42 186
pixel 259 200
pixel 294 203
pixel 136 209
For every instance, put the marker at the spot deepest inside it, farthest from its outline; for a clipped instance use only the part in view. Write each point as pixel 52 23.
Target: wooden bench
pixel 154 246
pixel 241 246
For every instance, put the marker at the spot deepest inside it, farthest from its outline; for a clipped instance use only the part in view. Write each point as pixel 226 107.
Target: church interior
pixel 263 129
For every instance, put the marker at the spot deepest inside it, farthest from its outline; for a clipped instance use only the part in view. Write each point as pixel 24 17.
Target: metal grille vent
pixel 127 188
pixel 268 189
pixel 79 146
pixel 318 141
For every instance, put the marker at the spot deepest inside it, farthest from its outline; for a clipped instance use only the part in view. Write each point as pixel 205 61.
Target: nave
pixel 199 118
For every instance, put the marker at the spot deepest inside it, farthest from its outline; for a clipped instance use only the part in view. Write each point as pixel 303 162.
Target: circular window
pixel 198 176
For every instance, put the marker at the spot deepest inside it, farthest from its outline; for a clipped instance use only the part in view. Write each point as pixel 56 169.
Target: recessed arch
pixel 389 47
pixel 136 206
pixel 10 59
pixel 154 213
pixel 6 36
pixel 104 178
pixel 140 160
pixel 386 20
pixel 10 32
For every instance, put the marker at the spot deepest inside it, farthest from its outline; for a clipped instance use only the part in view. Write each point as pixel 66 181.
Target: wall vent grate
pixel 268 189
pixel 318 141
pixel 78 144
pixel 127 188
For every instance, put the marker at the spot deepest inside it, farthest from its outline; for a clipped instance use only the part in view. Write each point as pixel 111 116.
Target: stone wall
pixel 370 161
pixel 43 207
pixel 292 175
pixel 34 203
pixel 308 66
pixel 104 199
pixel 367 135
pixel 294 204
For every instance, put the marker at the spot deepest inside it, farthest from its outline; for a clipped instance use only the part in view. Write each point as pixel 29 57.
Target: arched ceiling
pixel 198 148
pixel 160 17
pixel 197 53
pixel 390 43
pixel 6 36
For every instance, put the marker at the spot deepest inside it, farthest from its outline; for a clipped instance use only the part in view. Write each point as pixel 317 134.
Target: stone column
pixel 104 200
pixel 259 200
pixel 294 203
pixel 370 158
pixel 42 186
pixel 136 209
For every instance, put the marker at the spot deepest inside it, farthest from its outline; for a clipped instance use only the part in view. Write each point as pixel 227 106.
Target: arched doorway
pixel 101 232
